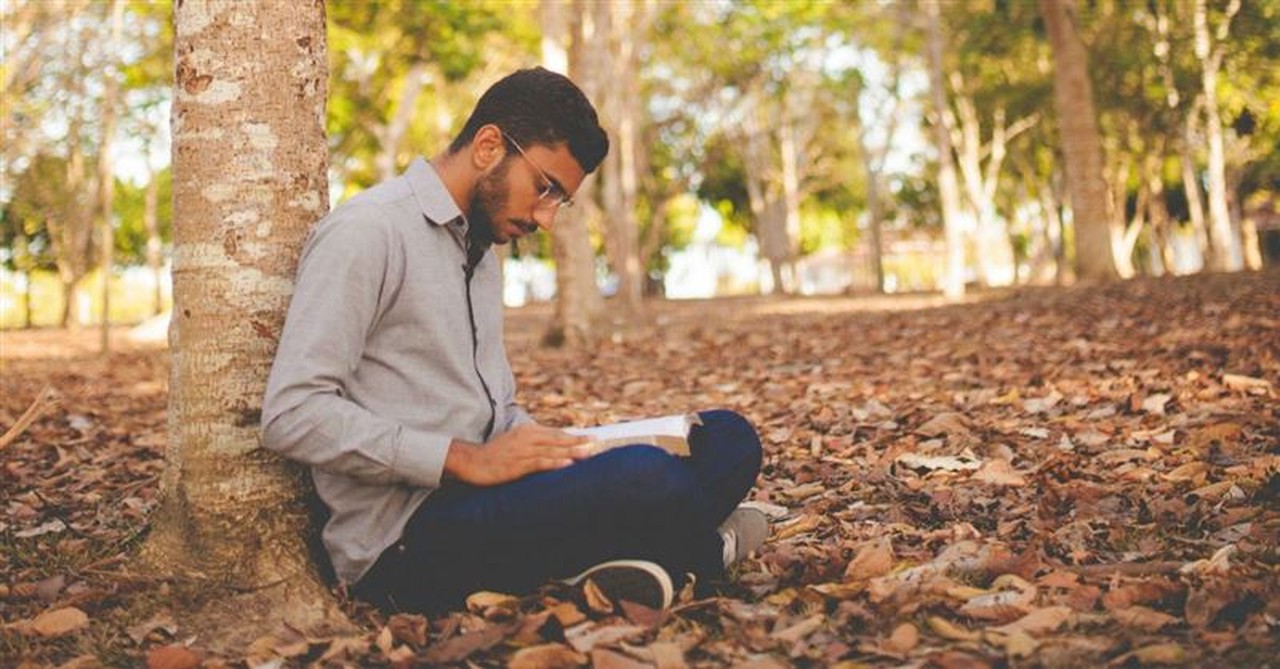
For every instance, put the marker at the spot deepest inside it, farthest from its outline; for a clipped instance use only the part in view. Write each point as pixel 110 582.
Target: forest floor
pixel 1057 477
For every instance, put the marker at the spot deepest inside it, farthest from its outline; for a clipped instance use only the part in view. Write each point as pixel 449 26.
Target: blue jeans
pixel 634 502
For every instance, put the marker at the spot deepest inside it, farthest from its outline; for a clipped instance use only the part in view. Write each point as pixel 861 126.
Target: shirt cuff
pixel 420 457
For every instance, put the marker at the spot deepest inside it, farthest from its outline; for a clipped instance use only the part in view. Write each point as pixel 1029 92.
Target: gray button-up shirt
pixel 377 368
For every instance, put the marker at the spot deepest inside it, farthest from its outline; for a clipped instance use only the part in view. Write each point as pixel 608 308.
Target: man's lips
pixel 526 227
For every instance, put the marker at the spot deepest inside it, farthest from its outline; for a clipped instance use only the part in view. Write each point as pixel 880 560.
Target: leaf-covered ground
pixel 1051 477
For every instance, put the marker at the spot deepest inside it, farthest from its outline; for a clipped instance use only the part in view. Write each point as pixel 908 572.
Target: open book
pixel 670 433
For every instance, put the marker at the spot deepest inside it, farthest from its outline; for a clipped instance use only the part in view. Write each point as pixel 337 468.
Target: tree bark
pixel 107 177
pixel 621 184
pixel 578 302
pixel 1225 253
pixel 948 187
pixel 1081 142
pixel 249 161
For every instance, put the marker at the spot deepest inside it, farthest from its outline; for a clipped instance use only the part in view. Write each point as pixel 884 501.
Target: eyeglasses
pixel 551 195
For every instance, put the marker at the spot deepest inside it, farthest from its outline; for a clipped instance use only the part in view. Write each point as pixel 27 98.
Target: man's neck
pixel 457 178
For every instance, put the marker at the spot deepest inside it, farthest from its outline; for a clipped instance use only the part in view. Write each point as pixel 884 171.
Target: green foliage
pixel 130 213
pixel 39 199
pixel 374 47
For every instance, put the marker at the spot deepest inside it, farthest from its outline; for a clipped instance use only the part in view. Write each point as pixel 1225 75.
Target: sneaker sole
pixel 636 581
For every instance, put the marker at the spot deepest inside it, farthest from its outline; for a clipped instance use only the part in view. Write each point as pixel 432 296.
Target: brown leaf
pixel 1143 618
pixel 547 656
pixel 586 636
pixel 951 631
pixel 667 655
pixel 172 657
pixel 409 628
pixel 903 640
pixel 873 559
pixel 493 605
pixel 999 606
pixel 797 631
pixel 944 424
pixel 999 472
pixel 59 622
pixel 460 647
pixel 1039 621
pixel 1161 653
pixel 567 614
pixel 597 601
pixel 607 659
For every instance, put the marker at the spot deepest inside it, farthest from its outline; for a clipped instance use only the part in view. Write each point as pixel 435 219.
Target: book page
pixel 667 432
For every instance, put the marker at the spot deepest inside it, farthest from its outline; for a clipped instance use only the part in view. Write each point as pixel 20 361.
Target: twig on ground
pixel 47 399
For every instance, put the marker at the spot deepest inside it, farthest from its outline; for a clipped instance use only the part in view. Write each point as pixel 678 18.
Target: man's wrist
pixel 457 461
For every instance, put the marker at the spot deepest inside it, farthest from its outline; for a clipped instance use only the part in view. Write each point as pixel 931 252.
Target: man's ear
pixel 487 147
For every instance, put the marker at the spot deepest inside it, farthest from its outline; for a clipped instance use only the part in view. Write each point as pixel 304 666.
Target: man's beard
pixel 488 198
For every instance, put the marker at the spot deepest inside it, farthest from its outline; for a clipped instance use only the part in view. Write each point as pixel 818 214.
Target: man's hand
pixel 514 454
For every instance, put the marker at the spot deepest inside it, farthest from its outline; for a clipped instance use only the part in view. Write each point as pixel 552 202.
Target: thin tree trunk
pixel 620 185
pixel 948 187
pixel 1191 186
pixel 578 300
pixel 1081 142
pixel 107 178
pixel 1226 254
pixel 394 132
pixel 1158 214
pixel 249 161
pixel 150 223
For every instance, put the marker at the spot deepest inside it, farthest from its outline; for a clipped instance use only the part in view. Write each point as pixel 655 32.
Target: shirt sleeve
pixel 515 414
pixel 347 275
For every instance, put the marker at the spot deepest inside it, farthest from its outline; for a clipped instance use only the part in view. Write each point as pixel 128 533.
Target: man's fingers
pixel 548 464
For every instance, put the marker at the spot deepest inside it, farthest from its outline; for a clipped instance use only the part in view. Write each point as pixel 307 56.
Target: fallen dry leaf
pixel 1039 621
pixel 794 633
pixel 547 656
pixel 59 622
pixel 999 472
pixel 1143 618
pixel 608 659
pixel 872 560
pixel 172 657
pixel 903 639
pixel 1162 653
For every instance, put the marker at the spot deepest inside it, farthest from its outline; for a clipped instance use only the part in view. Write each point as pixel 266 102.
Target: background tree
pixel 1081 141
pixel 249 160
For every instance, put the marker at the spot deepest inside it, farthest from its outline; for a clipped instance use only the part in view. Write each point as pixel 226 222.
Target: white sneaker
pixel 639 581
pixel 742 532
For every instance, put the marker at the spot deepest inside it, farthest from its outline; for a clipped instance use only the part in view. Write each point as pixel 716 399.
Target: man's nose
pixel 545 217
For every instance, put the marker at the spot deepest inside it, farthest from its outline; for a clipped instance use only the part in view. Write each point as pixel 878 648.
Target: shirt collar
pixel 433 198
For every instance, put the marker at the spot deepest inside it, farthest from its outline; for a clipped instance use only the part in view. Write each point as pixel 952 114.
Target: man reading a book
pixel 392 384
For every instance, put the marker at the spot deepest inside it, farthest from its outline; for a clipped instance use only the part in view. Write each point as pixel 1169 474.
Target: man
pixel 392 383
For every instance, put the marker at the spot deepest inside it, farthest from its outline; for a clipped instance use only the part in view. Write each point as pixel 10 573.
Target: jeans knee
pixel 730 430
pixel 651 475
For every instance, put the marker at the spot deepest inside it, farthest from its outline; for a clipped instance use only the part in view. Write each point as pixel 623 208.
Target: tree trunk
pixel 1081 142
pixel 1158 215
pixel 789 150
pixel 1225 243
pixel 107 178
pixel 150 204
pixel 249 161
pixel 620 187
pixel 948 187
pixel 393 133
pixel 578 300
pixel 1191 185
pixel 875 214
